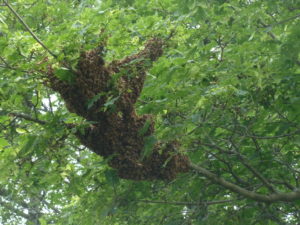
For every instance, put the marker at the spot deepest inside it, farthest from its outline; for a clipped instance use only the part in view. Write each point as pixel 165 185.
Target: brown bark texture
pixel 117 133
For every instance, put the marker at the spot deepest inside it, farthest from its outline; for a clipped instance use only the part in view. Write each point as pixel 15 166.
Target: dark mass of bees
pixel 105 94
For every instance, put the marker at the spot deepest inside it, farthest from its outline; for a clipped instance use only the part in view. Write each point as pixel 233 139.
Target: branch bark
pixel 276 197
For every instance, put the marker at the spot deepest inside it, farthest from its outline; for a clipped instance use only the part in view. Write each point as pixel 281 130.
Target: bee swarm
pixel 116 133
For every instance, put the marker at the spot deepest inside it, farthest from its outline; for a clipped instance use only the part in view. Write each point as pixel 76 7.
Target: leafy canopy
pixel 226 87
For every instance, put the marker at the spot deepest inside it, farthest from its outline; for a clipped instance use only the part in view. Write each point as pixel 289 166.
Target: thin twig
pixel 286 184
pixel 244 162
pixel 189 203
pixel 230 170
pixel 5 63
pixel 277 23
pixel 4 66
pixel 252 169
pixel 280 22
pixel 275 137
pixel 272 35
pixel 29 118
pixel 50 102
pixel 8 195
pixel 12 209
pixel 284 21
pixel 28 29
pixel 42 122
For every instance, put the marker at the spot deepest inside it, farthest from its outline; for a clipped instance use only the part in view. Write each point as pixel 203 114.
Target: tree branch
pixel 272 35
pixel 28 29
pixel 189 203
pixel 252 169
pixel 9 196
pixel 284 21
pixel 29 118
pixel 286 184
pixel 286 197
pixel 11 208
pixel 244 162
pixel 230 170
pixel 6 64
pixel 275 137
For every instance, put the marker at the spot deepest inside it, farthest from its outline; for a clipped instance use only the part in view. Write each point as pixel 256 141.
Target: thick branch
pixel 286 197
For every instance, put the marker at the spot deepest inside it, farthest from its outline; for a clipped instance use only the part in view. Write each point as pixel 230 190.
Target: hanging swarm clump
pixel 105 95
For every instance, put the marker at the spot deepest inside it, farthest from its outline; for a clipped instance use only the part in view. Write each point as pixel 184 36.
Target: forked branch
pixel 276 197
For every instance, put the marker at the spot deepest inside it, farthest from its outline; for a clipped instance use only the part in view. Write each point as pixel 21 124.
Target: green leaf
pixel 145 128
pixel 29 146
pixel 43 221
pixel 65 74
pixel 150 141
pixel 3 143
pixel 228 81
pixel 109 104
pixel 110 101
pixel 92 101
pixel 112 177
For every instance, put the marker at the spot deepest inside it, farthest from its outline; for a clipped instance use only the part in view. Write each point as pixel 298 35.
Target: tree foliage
pixel 225 90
